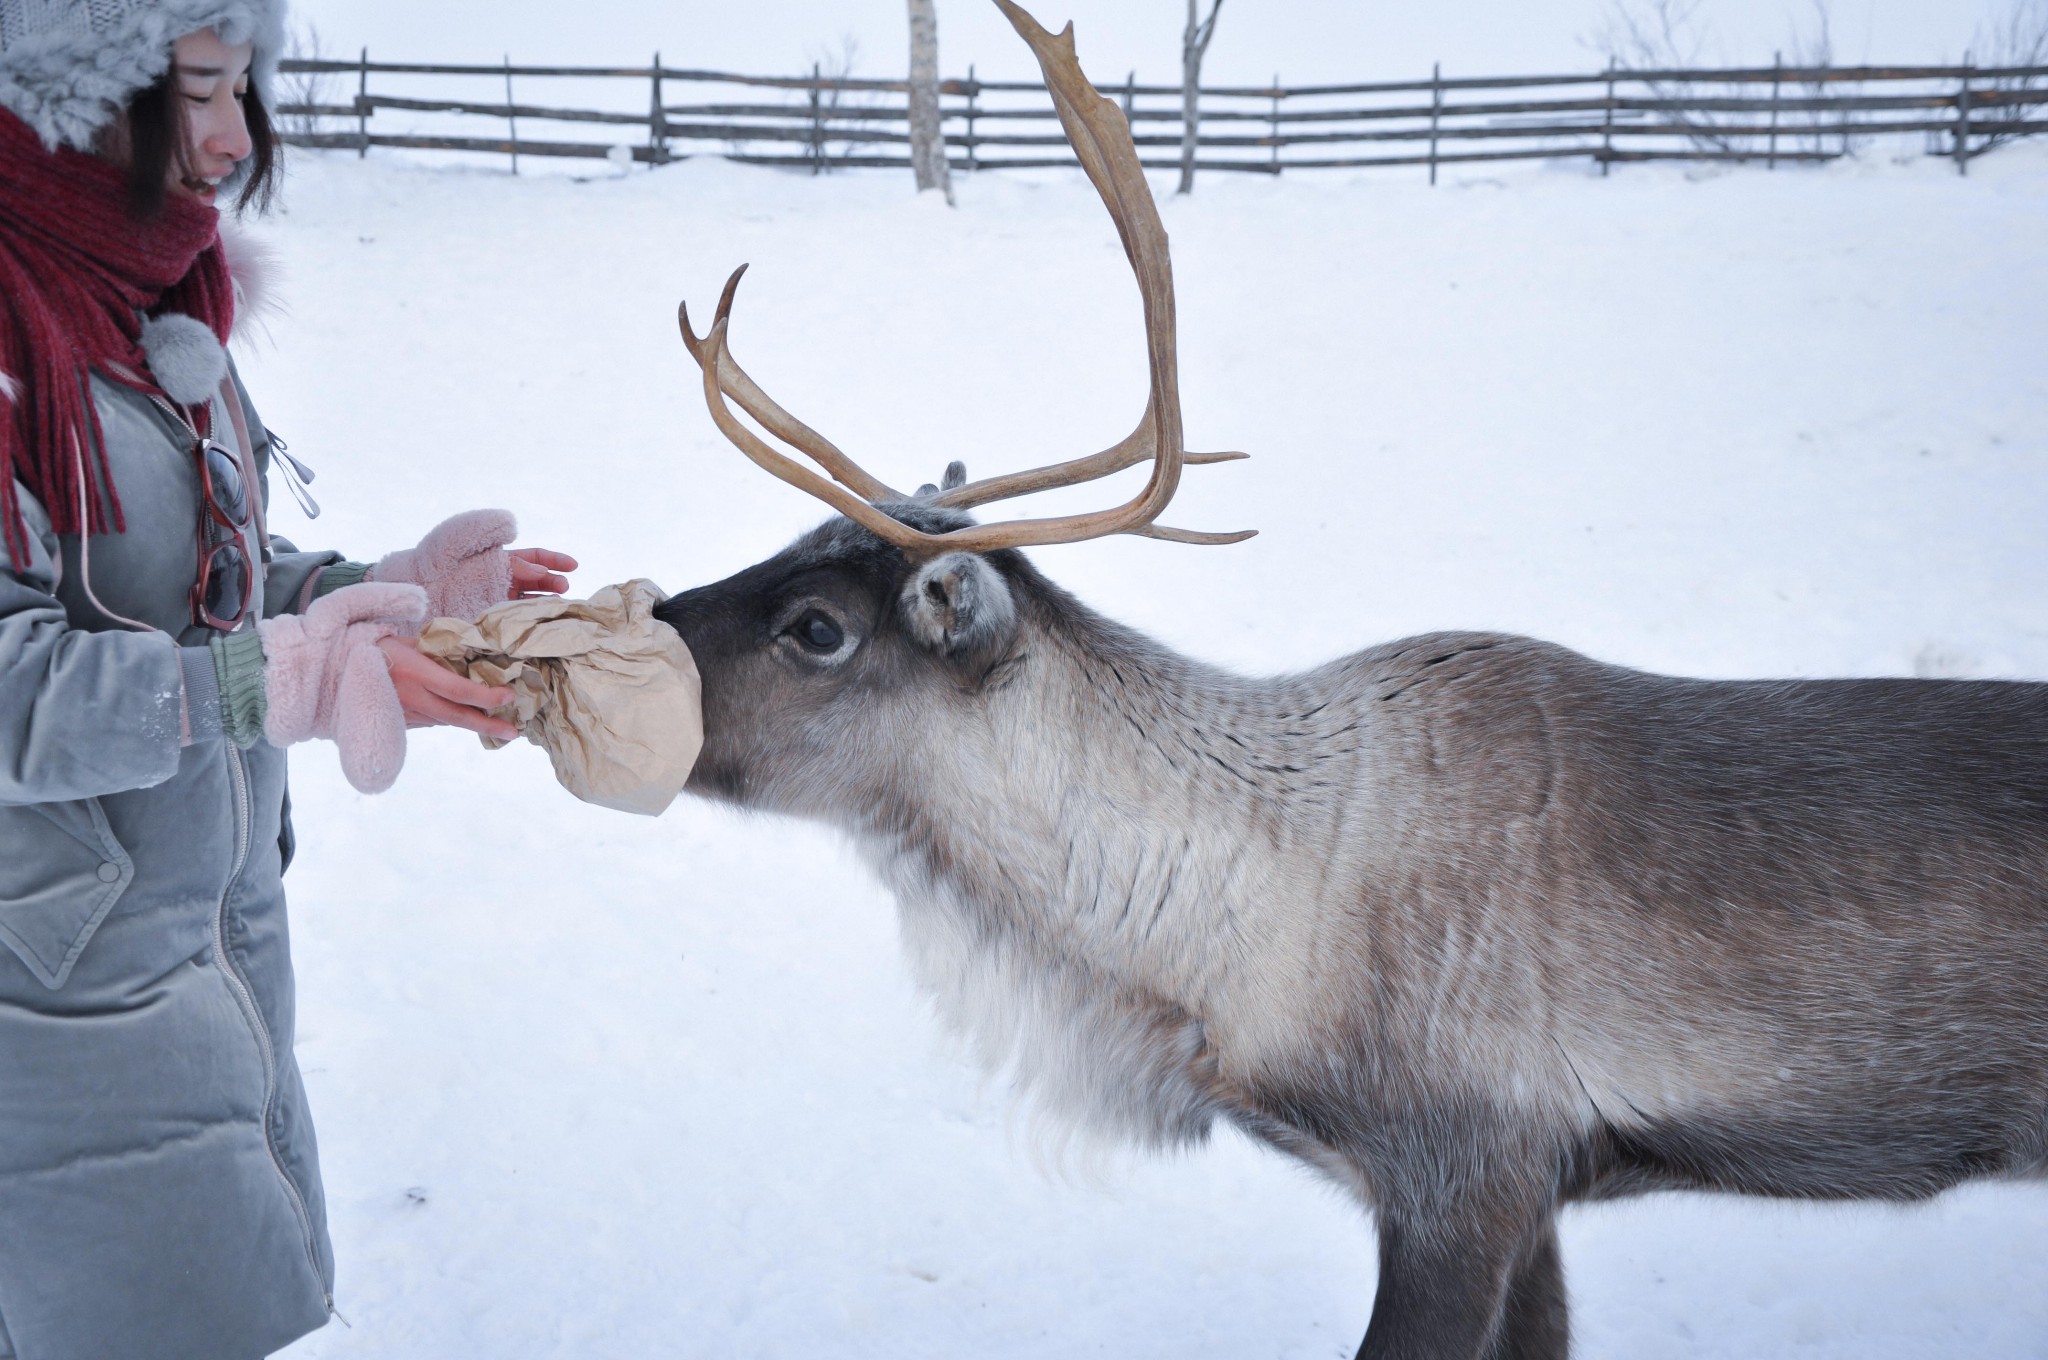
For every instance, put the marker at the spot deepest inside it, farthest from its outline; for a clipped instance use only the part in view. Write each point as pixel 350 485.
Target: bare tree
pixel 302 91
pixel 1194 41
pixel 1814 50
pixel 1669 35
pixel 1650 34
pixel 2019 37
pixel 927 136
pixel 839 116
pixel 1666 35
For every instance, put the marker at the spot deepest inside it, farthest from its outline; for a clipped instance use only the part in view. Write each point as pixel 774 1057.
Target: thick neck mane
pixel 1106 862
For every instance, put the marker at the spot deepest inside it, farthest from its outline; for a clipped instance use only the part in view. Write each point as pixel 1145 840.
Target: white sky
pixel 1301 40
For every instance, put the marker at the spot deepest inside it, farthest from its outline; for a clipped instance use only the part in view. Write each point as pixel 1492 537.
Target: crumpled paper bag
pixel 607 689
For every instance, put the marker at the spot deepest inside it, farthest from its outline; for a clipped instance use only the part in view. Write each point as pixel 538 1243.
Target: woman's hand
pixel 464 567
pixel 533 572
pixel 434 696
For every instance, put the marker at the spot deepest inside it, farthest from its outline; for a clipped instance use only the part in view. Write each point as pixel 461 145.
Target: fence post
pixel 363 106
pixel 1607 125
pixel 817 121
pixel 1276 122
pixel 657 122
pixel 1777 84
pixel 973 92
pixel 1963 121
pixel 1436 108
pixel 511 119
pixel 1848 117
pixel 1816 120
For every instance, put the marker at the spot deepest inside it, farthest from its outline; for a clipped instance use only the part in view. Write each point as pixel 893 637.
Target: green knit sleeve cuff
pixel 338 575
pixel 238 664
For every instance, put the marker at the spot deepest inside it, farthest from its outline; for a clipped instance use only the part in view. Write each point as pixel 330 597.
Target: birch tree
pixel 927 137
pixel 1194 41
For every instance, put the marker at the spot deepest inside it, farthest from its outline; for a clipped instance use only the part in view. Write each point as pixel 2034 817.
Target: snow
pixel 596 1086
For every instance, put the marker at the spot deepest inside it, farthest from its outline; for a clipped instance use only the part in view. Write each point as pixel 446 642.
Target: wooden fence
pixel 1774 114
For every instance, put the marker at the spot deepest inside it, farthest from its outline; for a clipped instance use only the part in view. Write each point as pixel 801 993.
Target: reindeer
pixel 1476 926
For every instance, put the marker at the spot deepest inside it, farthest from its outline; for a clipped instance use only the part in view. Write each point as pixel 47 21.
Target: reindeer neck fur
pixel 1117 863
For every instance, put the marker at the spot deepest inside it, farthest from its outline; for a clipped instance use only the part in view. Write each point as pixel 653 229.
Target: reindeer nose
pixel 676 611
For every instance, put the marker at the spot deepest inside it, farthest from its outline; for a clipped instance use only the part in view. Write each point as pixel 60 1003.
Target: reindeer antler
pixel 1101 138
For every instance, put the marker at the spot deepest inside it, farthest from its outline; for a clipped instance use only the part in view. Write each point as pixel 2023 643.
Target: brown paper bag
pixel 608 690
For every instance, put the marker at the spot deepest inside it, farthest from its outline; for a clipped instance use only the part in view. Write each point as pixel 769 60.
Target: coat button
pixel 110 873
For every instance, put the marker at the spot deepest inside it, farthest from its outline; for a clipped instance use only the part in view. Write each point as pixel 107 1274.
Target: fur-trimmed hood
pixel 252 264
pixel 184 357
pixel 66 66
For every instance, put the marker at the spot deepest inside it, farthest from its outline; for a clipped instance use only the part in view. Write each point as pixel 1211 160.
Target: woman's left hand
pixel 533 572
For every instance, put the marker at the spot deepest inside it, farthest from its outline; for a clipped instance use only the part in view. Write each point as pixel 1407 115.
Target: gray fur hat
pixel 66 66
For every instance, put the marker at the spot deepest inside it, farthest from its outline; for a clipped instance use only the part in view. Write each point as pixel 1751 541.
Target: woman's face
pixel 211 77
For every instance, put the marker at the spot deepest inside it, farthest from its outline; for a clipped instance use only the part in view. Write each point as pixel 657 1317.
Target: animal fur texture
pixel 1473 924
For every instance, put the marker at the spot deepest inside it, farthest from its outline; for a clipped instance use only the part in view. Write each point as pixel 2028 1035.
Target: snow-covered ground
pixel 608 1088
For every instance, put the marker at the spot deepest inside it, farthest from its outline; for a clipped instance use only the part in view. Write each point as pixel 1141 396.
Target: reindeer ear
pixel 960 605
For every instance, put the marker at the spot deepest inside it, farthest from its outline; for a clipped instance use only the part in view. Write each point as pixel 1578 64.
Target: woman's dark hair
pixel 156 143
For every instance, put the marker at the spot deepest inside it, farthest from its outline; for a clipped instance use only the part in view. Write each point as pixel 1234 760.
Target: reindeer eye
pixel 817 632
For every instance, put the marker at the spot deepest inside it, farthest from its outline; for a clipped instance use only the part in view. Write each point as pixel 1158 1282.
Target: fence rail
pixel 1760 113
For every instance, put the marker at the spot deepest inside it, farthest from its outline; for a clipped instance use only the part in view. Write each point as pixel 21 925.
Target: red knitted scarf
pixel 77 271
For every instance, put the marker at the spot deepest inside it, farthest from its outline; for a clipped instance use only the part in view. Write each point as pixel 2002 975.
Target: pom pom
pixel 184 356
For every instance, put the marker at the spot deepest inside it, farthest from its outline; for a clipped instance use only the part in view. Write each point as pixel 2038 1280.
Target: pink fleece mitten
pixel 324 676
pixel 461 563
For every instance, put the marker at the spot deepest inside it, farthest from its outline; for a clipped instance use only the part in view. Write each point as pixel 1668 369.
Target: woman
pixel 159 1186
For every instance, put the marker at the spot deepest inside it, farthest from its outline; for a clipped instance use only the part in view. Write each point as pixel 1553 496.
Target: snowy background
pixel 603 1087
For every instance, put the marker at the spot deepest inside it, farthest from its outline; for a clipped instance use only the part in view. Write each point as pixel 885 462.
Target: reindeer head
pixel 829 660
pixel 826 664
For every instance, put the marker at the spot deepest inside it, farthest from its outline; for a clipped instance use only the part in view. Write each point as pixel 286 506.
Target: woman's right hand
pixel 434 696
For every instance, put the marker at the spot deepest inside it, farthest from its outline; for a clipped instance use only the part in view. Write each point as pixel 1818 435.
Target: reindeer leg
pixel 1456 1279
pixel 1535 1323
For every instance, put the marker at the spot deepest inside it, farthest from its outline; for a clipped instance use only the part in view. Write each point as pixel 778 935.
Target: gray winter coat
pixel 159 1187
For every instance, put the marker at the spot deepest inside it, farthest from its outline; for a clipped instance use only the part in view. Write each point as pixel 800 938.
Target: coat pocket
pixel 287 845
pixel 61 871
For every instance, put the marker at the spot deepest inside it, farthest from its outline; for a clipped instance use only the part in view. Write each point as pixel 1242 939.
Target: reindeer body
pixel 1473 924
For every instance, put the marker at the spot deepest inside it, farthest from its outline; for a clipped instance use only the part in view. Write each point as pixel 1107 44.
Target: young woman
pixel 159 1186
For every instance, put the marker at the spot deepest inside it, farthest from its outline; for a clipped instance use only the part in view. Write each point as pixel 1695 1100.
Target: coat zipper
pixel 238 775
